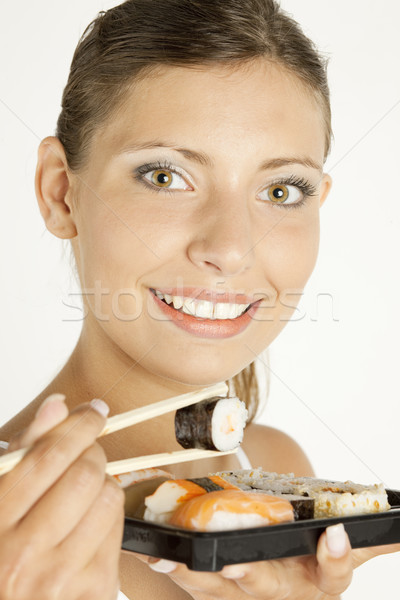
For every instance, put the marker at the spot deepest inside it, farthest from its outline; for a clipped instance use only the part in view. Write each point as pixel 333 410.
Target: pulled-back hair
pixel 129 41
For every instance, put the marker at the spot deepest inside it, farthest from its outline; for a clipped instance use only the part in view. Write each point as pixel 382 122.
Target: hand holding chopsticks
pixel 139 415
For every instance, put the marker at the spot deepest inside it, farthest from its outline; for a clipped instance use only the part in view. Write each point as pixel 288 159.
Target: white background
pixel 334 369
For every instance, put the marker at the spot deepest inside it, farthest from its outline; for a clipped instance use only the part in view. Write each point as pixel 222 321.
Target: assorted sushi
pixel 249 498
pixel 237 499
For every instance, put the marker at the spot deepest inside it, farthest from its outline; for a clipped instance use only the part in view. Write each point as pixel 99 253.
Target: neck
pixel 98 368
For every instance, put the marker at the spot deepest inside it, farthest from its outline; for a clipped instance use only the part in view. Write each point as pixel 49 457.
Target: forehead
pixel 252 106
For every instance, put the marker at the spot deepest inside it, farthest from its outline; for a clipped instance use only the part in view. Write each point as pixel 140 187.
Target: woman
pixel 187 166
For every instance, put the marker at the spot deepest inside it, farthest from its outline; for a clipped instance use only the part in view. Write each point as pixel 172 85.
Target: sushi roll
pixel 231 509
pixel 331 498
pixel 214 424
pixel 303 506
pixel 171 494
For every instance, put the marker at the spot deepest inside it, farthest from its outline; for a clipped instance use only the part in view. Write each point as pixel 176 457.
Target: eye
pixel 280 193
pixel 164 178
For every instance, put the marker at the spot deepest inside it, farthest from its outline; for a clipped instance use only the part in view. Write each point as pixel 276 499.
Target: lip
pixel 206 328
pixel 213 296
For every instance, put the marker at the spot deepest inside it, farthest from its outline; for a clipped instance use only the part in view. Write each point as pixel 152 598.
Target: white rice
pixel 228 422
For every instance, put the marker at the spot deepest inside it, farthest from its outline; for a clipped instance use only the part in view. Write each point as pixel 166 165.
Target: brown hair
pixel 136 37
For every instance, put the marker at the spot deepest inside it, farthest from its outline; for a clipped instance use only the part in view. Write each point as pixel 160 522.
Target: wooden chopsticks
pixel 157 460
pixel 138 415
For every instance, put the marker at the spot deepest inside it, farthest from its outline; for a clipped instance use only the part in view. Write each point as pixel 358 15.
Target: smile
pixel 203 316
pixel 203 309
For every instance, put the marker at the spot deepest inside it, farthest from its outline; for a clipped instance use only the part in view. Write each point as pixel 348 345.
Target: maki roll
pixel 331 498
pixel 214 424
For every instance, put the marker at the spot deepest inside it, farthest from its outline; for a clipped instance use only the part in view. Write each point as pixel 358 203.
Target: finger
pixel 361 555
pixel 51 412
pixel 209 585
pixel 48 459
pixel 62 507
pixel 334 569
pixel 266 579
pixel 101 576
pixel 104 518
pixel 64 565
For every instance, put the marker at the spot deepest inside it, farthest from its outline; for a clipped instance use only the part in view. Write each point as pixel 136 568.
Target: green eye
pixel 161 178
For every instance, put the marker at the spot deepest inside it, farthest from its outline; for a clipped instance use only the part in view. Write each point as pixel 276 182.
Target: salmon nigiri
pixel 173 493
pixel 231 509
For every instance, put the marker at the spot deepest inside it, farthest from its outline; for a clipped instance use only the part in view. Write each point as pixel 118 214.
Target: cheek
pixel 290 255
pixel 120 249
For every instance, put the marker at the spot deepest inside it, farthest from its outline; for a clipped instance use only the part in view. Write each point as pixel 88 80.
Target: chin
pixel 198 373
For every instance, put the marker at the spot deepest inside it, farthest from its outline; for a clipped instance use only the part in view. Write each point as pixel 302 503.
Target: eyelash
pixel 156 166
pixel 307 189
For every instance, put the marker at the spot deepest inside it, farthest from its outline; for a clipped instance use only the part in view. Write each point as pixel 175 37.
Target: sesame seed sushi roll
pixel 214 424
pixel 331 498
pixel 231 509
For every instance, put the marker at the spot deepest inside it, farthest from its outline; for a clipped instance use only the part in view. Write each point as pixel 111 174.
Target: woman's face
pixel 197 188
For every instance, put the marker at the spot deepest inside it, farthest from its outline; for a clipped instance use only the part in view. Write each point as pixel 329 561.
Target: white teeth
pixel 202 308
pixel 178 302
pixel 188 306
pixel 221 311
pixel 233 311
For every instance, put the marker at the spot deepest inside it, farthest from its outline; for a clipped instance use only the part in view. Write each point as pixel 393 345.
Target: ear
pixel 326 184
pixel 53 187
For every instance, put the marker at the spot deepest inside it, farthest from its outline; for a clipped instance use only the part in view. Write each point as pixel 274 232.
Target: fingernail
pixel 336 540
pixel 52 398
pixel 233 572
pixel 102 408
pixel 163 566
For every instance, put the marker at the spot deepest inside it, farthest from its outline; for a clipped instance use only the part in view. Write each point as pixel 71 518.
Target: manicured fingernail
pixel 233 572
pixel 100 406
pixel 163 566
pixel 52 398
pixel 336 540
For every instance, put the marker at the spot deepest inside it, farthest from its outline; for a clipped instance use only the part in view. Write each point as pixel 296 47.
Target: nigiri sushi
pixel 172 493
pixel 231 509
pixel 139 484
pixel 213 424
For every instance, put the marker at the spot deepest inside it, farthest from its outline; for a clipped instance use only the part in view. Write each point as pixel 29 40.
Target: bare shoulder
pixel 274 450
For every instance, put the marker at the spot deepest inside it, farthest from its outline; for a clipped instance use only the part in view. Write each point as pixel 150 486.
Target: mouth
pixel 203 309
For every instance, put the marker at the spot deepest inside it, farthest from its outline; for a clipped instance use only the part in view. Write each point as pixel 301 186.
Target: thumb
pixel 51 412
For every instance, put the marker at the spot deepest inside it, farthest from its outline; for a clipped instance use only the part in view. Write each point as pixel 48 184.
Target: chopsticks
pixel 138 415
pixel 157 460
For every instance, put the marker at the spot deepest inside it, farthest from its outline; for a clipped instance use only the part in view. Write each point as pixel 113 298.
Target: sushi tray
pixel 211 551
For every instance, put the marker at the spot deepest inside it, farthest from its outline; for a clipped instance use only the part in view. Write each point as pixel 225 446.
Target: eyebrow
pixel 205 160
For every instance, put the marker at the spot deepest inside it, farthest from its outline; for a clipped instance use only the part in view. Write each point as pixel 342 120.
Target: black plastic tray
pixel 204 551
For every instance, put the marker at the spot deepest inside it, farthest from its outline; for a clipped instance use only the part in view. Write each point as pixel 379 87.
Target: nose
pixel 223 243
